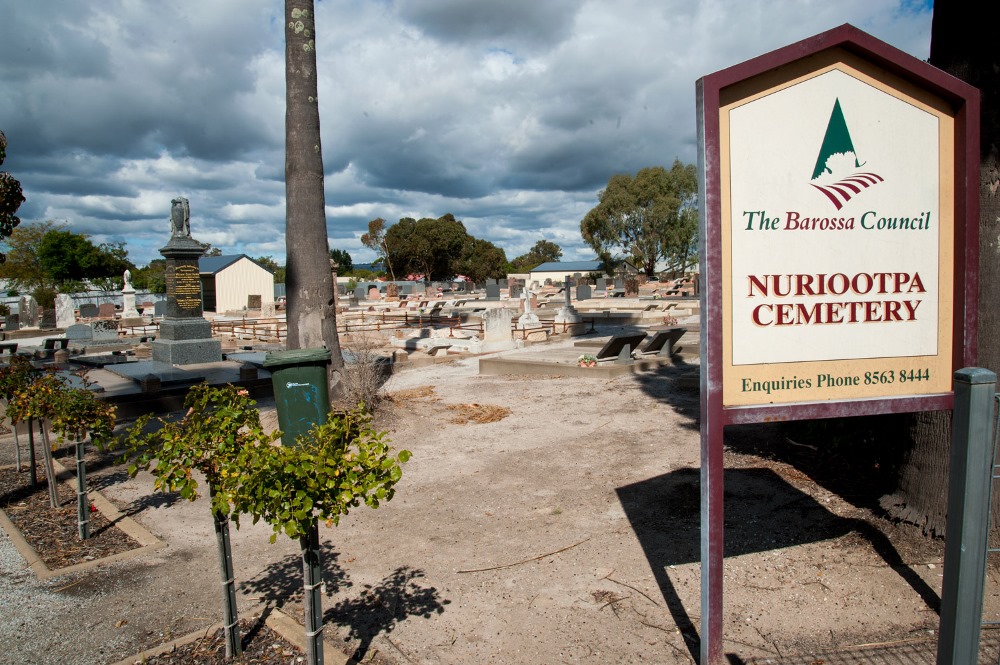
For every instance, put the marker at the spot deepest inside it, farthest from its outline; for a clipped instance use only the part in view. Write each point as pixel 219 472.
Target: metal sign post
pixel 839 248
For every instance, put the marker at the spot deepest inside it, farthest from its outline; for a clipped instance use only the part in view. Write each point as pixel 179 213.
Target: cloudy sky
pixel 510 114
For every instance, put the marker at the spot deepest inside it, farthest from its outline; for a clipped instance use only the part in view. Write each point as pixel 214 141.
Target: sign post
pixel 839 247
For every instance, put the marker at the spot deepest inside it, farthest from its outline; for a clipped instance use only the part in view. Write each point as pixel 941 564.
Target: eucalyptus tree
pixel 647 218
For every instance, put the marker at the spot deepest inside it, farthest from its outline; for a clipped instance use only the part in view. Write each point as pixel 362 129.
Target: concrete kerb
pixel 147 541
pixel 285 626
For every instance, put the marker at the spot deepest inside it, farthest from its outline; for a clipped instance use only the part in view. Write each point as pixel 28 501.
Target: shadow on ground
pixel 763 512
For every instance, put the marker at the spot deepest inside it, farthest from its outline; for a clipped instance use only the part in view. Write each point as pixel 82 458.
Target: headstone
pixel 61 357
pixel 602 284
pixel 79 331
pixel 28 311
pixel 496 325
pixel 253 301
pixel 105 329
pixel 529 319
pixel 160 308
pixel 267 310
pixel 106 310
pixel 65 311
pixel 185 336
pixel 515 291
pixel 360 293
pixel 503 283
pixel 632 286
pixel 619 282
pixel 128 298
pixel 492 290
pixel 373 293
pixel 88 310
pixel 391 291
pixel 12 322
pixel 567 313
pixel 48 318
pixel 583 292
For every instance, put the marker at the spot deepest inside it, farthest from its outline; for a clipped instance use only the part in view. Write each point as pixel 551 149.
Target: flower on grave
pixel 587 360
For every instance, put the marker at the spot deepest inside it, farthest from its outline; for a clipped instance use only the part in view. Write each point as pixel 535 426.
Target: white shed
pixel 234 283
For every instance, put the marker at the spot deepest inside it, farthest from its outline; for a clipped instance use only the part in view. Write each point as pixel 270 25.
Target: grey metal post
pixel 968 516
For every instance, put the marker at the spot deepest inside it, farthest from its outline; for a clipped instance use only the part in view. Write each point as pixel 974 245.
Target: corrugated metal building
pixel 234 283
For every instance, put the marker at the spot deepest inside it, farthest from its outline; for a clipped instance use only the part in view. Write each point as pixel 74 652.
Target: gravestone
pixel 185 336
pixel 529 319
pixel 28 311
pixel 497 334
pixel 79 331
pixel 515 290
pixel 12 322
pixel 128 298
pixel 105 329
pixel 567 313
pixel 492 291
pixel 373 293
pixel 602 284
pixel 267 310
pixel 65 311
pixel 504 284
pixel 391 291
pixel 253 301
pixel 160 308
pixel 360 293
pixel 583 292
pixel 106 310
pixel 48 318
pixel 88 310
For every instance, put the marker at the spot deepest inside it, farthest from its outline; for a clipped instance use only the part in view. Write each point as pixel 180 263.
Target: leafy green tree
pixel 220 423
pixel 22 268
pixel 66 256
pixel 311 314
pixel 344 263
pixel 337 466
pixel 543 252
pixel 152 277
pixel 427 246
pixel 644 217
pixel 377 240
pixel 480 260
pixel 11 197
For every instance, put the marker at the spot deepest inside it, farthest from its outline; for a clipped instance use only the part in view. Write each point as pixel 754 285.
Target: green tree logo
pixel 837 173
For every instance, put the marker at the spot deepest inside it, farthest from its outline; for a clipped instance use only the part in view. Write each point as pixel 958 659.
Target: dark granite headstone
pixel 185 336
pixel 492 290
pixel 48 318
pixel 160 308
pixel 88 310
pixel 602 284
pixel 360 293
pixel 12 322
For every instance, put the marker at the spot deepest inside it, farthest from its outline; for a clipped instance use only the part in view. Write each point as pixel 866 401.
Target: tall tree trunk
pixel 963 46
pixel 311 313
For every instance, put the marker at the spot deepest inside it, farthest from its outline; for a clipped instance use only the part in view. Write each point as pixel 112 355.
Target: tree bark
pixel 311 313
pixel 961 44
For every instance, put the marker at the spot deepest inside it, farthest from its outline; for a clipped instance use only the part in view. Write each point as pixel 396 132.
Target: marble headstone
pixel 65 311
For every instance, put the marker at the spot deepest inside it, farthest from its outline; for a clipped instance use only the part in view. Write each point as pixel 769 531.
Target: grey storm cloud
pixel 511 115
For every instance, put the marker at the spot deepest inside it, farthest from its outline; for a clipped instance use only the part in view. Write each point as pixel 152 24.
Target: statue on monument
pixel 128 280
pixel 180 218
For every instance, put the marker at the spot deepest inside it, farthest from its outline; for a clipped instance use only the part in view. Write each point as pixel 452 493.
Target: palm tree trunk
pixel 311 313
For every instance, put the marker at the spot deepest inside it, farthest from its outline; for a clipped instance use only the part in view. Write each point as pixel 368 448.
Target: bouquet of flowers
pixel 587 360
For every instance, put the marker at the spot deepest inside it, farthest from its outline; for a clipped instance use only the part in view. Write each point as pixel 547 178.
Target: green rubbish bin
pixel 301 394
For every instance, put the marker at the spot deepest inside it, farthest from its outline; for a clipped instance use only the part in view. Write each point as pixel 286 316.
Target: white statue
pixel 128 280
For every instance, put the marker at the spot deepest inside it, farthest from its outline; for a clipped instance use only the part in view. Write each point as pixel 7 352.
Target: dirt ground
pixel 564 531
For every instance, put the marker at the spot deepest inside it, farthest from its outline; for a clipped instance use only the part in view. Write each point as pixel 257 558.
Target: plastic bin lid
pixel 297 357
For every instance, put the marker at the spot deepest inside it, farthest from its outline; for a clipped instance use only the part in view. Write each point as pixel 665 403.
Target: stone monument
pixel 185 335
pixel 528 319
pixel 567 313
pixel 65 311
pixel 128 298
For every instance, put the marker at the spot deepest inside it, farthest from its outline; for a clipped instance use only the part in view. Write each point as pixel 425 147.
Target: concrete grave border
pixel 147 541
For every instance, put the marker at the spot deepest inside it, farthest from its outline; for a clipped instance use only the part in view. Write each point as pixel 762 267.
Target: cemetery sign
pixel 839 248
